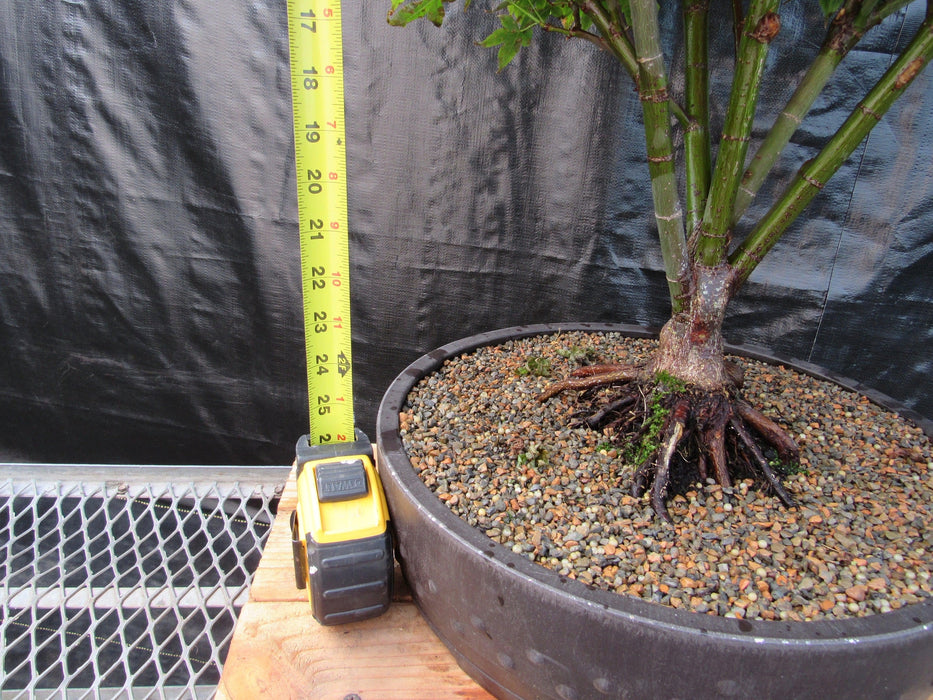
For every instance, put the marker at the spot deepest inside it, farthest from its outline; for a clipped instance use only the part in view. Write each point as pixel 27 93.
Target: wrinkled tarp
pixel 150 306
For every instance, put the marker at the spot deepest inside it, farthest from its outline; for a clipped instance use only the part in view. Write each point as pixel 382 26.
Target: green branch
pixel 814 174
pixel 655 102
pixel 613 33
pixel 612 27
pixel 844 32
pixel 696 104
pixel 761 26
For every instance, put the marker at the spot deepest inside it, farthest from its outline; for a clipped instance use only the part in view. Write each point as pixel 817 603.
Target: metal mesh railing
pixel 125 582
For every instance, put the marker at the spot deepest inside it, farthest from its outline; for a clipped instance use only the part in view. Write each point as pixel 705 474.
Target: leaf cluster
pixel 405 11
pixel 517 19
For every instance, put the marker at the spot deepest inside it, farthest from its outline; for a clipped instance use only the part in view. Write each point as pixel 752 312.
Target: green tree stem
pixel 761 25
pixel 814 174
pixel 613 34
pixel 784 126
pixel 841 36
pixel 696 104
pixel 652 90
pixel 617 43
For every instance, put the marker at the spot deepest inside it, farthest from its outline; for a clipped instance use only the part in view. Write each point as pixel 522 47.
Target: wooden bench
pixel 279 651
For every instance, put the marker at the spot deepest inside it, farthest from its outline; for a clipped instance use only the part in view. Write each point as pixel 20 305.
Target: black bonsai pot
pixel 522 631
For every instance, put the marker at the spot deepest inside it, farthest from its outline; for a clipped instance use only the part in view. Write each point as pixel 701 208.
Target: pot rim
pixel 915 620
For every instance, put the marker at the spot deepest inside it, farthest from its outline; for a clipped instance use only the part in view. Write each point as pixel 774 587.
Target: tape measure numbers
pixel 316 47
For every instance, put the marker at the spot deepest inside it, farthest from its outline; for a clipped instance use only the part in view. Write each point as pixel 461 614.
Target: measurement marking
pixel 316 52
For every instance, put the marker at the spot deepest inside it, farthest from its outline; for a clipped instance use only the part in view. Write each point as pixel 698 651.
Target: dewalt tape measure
pixel 341 541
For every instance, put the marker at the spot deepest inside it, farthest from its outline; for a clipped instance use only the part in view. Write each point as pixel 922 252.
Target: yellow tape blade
pixel 316 48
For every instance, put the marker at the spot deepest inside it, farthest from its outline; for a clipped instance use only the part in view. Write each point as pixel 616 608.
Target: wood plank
pixel 275 578
pixel 279 650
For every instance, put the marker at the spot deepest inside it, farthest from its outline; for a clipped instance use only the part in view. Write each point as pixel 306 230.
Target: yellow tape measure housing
pixel 341 541
pixel 316 47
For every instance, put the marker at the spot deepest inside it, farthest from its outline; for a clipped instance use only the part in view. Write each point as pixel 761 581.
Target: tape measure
pixel 315 42
pixel 341 540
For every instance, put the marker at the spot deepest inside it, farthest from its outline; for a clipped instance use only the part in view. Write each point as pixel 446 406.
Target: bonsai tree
pixel 684 409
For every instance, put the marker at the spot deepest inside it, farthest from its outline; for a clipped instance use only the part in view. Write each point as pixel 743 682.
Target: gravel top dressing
pixel 859 541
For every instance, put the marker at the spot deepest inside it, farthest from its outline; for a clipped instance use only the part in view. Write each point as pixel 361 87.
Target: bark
pixel 690 346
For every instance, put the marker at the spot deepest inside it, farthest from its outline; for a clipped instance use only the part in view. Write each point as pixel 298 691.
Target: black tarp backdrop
pixel 150 301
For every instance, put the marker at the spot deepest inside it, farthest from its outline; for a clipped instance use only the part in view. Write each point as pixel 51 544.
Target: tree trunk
pixel 690 346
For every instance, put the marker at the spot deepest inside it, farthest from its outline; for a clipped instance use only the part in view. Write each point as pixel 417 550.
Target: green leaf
pixel 500 36
pixel 511 36
pixel 831 7
pixel 517 17
pixel 405 11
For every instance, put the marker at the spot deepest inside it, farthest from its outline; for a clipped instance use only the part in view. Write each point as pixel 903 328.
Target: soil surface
pixel 859 542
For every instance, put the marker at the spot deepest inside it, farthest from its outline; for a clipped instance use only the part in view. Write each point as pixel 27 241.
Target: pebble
pixel 857 544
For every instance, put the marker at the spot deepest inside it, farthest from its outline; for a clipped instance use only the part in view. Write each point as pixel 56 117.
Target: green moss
pixel 786 468
pixel 668 383
pixel 534 365
pixel 578 355
pixel 655 418
pixel 535 457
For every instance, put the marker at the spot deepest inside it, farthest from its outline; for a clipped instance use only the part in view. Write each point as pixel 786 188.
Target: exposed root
pixel 771 431
pixel 672 439
pixel 616 406
pixel 676 434
pixel 762 463
pixel 589 378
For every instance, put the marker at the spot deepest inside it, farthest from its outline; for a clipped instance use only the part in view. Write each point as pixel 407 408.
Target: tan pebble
pixel 857 592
